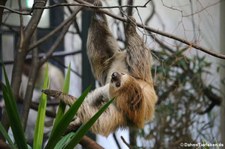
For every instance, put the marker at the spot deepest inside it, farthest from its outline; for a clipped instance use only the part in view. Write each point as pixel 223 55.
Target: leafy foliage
pixel 11 108
pixel 56 140
pixel 184 100
pixel 39 127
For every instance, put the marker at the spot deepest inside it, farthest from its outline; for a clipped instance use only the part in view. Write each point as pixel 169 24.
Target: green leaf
pixel 62 106
pixel 6 136
pixel 84 128
pixel 39 127
pixel 66 85
pixel 65 140
pixel 13 115
pixel 63 123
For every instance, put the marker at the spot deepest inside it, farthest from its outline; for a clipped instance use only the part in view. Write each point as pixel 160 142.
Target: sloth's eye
pixel 117 84
pixel 122 73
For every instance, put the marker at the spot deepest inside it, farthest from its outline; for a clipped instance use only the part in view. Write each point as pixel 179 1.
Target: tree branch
pixel 55 54
pixel 86 4
pixel 2 3
pixel 116 140
pixel 31 84
pixel 21 54
pixel 57 29
pixel 67 4
pixel 86 142
pixel 124 141
pixel 190 44
pixel 61 36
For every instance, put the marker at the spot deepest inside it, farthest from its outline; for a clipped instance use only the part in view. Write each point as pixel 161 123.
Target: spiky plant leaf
pixel 39 127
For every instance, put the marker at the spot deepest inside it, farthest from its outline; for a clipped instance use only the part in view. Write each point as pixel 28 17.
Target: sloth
pixel 123 74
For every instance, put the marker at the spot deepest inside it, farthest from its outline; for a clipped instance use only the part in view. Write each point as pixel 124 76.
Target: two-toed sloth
pixel 123 74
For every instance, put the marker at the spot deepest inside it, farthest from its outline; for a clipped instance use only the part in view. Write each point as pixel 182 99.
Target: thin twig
pixel 83 5
pixel 204 8
pixel 116 140
pixel 56 44
pixel 20 56
pixel 15 11
pixel 60 63
pixel 151 13
pixel 124 141
pixel 190 44
pixel 61 36
pixel 68 4
pixel 31 83
pixel 55 54
pixel 86 4
pixel 86 142
pixel 147 3
pixel 57 29
pixel 76 26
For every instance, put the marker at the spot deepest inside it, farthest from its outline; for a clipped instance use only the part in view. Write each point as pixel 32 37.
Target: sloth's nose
pixel 115 75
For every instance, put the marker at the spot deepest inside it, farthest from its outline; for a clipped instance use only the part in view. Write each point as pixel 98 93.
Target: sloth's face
pixel 124 87
pixel 118 83
pixel 118 79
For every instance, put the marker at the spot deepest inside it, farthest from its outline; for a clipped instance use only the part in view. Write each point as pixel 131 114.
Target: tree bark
pixel 21 52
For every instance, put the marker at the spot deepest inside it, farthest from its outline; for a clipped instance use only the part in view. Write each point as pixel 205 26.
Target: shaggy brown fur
pixel 123 74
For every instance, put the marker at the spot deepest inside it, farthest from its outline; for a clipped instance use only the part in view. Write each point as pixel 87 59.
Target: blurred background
pixel 189 82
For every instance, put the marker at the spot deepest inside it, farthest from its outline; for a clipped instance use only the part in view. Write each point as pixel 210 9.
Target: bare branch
pixel 55 54
pixel 48 113
pixel 34 106
pixel 151 13
pixel 86 4
pixel 83 5
pixel 147 3
pixel 68 4
pixel 58 28
pixel 35 19
pixel 55 45
pixel 192 13
pixel 76 26
pixel 86 142
pixel 59 39
pixel 124 141
pixel 22 33
pixel 2 3
pixel 15 11
pixel 31 84
pixel 190 44
pixel 116 140
pixel 21 54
